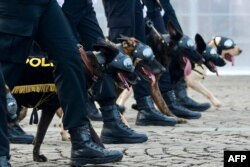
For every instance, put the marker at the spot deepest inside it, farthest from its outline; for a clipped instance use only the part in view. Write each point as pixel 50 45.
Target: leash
pixel 87 63
pixel 219 49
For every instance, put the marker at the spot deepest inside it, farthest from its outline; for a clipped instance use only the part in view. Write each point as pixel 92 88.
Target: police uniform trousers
pixel 126 18
pixel 82 17
pixel 4 142
pixel 47 25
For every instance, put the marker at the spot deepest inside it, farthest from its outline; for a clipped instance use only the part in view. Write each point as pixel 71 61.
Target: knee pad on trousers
pixel 11 106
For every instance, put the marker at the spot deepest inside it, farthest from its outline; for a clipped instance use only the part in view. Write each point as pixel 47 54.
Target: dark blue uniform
pixel 4 142
pixel 169 13
pixel 83 20
pixel 82 17
pixel 126 18
pixel 43 20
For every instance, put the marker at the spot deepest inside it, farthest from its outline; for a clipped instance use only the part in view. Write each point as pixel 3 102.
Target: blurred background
pixel 230 18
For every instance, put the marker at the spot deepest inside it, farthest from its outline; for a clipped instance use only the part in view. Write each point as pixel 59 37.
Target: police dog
pixel 146 66
pixel 164 46
pixel 142 56
pixel 224 50
pixel 172 49
pixel 43 97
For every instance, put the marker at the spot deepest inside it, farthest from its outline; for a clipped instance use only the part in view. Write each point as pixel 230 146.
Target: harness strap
pixel 87 63
pixel 203 77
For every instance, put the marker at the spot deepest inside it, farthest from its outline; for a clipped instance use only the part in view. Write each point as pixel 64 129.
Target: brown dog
pixel 228 50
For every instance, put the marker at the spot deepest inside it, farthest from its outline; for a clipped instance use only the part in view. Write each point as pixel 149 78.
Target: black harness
pixel 224 44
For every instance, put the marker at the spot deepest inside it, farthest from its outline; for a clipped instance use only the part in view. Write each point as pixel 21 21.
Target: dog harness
pixel 224 44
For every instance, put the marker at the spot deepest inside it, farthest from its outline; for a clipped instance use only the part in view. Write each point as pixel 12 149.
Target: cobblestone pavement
pixel 198 143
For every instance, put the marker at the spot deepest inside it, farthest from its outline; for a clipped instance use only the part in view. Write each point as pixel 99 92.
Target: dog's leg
pixel 64 133
pixel 121 100
pixel 22 113
pixel 199 87
pixel 161 104
pixel 46 117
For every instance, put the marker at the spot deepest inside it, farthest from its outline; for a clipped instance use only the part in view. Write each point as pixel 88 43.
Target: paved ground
pixel 198 143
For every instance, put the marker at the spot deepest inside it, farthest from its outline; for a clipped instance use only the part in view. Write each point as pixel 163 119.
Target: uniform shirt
pixel 60 2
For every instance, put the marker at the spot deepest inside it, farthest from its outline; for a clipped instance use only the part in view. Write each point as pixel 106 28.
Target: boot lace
pixel 121 123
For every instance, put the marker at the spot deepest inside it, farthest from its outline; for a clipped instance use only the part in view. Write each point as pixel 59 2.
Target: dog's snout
pixel 240 51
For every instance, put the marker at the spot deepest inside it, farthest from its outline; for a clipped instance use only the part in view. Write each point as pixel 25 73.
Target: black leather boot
pixel 93 112
pixel 184 100
pixel 85 151
pixel 4 161
pixel 177 109
pixel 148 115
pixel 17 135
pixel 115 131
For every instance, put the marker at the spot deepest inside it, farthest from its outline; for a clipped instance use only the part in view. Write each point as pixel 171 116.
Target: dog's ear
pixel 201 44
pixel 108 49
pixel 174 33
pixel 123 38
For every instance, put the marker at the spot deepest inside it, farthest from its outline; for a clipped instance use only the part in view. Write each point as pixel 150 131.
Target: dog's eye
pixel 228 43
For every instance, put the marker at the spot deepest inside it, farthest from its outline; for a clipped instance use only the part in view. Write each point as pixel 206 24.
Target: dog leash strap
pixel 199 73
pixel 87 62
pixel 219 49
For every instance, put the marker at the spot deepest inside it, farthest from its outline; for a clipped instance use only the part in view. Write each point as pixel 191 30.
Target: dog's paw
pixel 217 103
pixel 40 158
pixel 65 136
pixel 181 121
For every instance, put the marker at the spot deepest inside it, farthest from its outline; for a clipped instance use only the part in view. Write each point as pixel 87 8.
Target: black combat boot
pixel 17 135
pixel 184 100
pixel 121 108
pixel 177 109
pixel 93 112
pixel 4 161
pixel 86 151
pixel 148 115
pixel 115 131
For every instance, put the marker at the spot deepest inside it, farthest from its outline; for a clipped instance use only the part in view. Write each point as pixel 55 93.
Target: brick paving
pixel 198 143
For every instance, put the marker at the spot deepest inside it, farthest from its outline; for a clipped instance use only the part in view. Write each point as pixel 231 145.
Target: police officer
pixel 4 142
pixel 82 17
pixel 43 20
pixel 180 85
pixel 126 18
pixel 166 83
